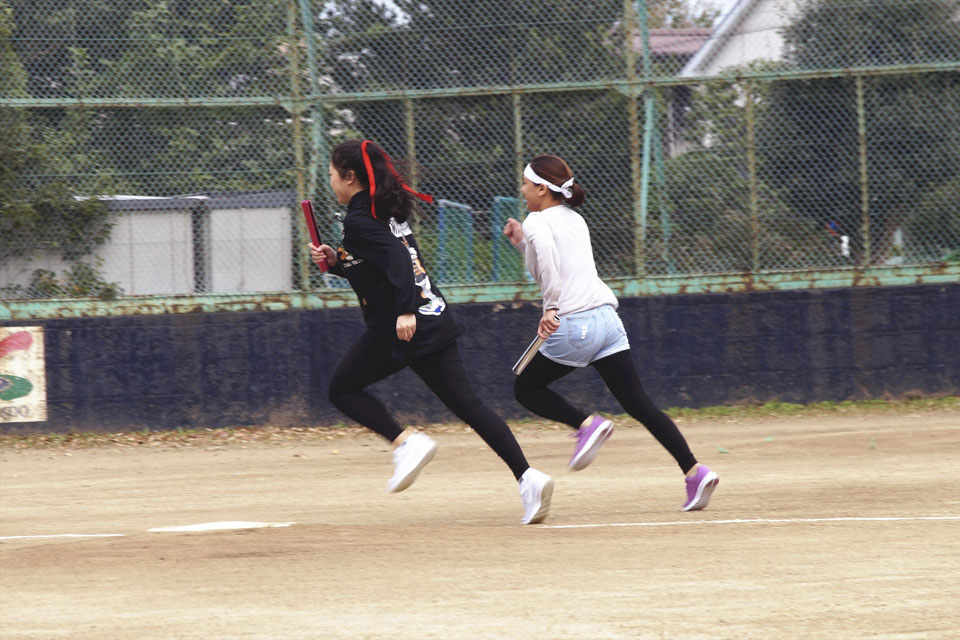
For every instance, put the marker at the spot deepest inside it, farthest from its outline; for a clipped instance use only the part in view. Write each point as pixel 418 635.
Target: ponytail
pixel 373 168
pixel 579 195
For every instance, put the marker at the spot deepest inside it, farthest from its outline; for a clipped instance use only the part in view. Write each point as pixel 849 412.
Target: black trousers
pixel 369 361
pixel 620 375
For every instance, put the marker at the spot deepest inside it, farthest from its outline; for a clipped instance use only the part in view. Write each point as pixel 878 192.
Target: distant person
pixel 581 327
pixel 843 241
pixel 408 324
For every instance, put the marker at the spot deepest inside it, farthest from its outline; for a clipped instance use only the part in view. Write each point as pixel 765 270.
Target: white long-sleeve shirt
pixel 558 254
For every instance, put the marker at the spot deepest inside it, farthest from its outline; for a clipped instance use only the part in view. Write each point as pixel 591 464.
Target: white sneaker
pixel 536 489
pixel 409 458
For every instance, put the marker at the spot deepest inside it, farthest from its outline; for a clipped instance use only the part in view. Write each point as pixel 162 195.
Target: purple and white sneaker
pixel 700 487
pixel 589 440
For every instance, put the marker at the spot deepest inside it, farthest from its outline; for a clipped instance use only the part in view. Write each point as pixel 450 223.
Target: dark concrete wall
pixel 224 369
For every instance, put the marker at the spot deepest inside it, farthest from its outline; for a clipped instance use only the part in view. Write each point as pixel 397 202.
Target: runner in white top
pixel 556 246
pixel 581 327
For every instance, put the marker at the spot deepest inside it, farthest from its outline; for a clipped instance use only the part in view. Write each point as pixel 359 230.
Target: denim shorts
pixel 586 336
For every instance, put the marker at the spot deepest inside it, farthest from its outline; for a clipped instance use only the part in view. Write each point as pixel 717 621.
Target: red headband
pixel 373 185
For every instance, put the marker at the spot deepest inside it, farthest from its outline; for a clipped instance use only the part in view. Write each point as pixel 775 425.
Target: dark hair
pixel 390 199
pixel 557 171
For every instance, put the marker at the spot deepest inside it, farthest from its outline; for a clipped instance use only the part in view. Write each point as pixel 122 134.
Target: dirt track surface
pixel 447 559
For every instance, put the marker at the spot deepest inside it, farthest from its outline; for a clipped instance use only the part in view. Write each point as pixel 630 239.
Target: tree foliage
pixel 716 225
pixel 38 215
pixel 145 50
pixel 911 122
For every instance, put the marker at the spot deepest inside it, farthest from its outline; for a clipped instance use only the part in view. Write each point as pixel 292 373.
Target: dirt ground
pixel 448 559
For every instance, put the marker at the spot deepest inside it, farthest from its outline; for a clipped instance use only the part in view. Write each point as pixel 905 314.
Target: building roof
pixel 210 200
pixel 672 42
pixel 677 42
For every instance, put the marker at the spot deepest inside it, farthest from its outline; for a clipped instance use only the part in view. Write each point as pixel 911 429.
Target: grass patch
pixel 817 408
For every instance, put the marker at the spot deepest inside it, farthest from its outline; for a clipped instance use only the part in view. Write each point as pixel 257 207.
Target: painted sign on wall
pixel 23 379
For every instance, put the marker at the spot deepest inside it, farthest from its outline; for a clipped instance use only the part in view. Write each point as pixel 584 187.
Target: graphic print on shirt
pixel 435 304
pixel 347 259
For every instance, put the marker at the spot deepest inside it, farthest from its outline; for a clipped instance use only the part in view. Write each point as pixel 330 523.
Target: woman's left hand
pixel 548 323
pixel 406 326
pixel 514 231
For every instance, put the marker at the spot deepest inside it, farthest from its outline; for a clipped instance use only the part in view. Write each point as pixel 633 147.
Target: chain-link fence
pixel 155 148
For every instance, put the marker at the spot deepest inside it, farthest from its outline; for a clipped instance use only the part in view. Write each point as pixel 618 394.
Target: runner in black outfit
pixel 408 323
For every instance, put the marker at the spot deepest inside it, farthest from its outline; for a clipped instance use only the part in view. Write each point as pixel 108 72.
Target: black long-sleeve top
pixel 384 266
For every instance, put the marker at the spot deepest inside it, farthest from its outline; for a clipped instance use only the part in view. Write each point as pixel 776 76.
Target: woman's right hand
pixel 406 326
pixel 323 253
pixel 514 231
pixel 549 322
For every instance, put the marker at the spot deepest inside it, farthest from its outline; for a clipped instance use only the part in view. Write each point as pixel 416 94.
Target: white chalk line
pixel 67 535
pixel 747 521
pixel 205 526
pixel 234 525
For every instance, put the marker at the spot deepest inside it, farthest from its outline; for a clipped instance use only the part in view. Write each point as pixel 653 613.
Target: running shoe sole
pixel 592 448
pixel 411 476
pixel 704 491
pixel 546 492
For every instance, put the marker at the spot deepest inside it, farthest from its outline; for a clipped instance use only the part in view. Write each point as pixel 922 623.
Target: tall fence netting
pixel 163 148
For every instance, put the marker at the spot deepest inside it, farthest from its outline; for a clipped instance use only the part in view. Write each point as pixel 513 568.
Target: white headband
pixel 565 188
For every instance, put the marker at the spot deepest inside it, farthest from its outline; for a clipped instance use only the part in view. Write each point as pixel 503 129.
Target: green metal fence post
pixel 301 230
pixel 320 154
pixel 410 132
pixel 657 145
pixel 752 177
pixel 661 175
pixel 518 141
pixel 649 115
pixel 864 192
pixel 633 124
pixel 645 183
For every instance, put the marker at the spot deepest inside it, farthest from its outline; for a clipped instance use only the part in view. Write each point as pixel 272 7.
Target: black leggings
pixel 369 361
pixel 620 375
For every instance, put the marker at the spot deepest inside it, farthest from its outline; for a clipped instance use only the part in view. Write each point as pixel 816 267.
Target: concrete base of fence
pixel 273 368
